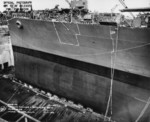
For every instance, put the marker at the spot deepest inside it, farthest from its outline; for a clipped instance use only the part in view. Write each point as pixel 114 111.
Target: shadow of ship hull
pixel 76 61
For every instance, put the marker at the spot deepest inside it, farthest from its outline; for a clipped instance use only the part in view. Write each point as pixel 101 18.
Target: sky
pixel 93 5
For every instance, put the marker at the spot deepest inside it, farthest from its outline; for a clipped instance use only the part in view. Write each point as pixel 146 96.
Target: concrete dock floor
pixel 20 103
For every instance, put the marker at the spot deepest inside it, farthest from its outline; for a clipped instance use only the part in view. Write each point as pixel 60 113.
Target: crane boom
pixel 124 5
pixel 113 9
pixel 122 2
pixel 68 2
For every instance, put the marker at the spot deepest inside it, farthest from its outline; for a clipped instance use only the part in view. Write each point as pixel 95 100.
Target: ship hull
pixel 72 65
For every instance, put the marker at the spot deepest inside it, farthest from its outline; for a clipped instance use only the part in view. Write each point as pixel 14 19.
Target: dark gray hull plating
pixel 77 62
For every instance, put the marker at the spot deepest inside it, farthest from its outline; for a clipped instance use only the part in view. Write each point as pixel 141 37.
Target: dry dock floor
pixel 22 103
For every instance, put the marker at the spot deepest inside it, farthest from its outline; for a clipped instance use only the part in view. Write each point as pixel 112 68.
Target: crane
pixel 68 3
pixel 113 9
pixel 124 5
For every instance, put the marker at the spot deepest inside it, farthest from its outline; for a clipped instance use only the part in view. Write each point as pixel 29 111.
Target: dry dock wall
pixel 6 54
pixel 76 61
